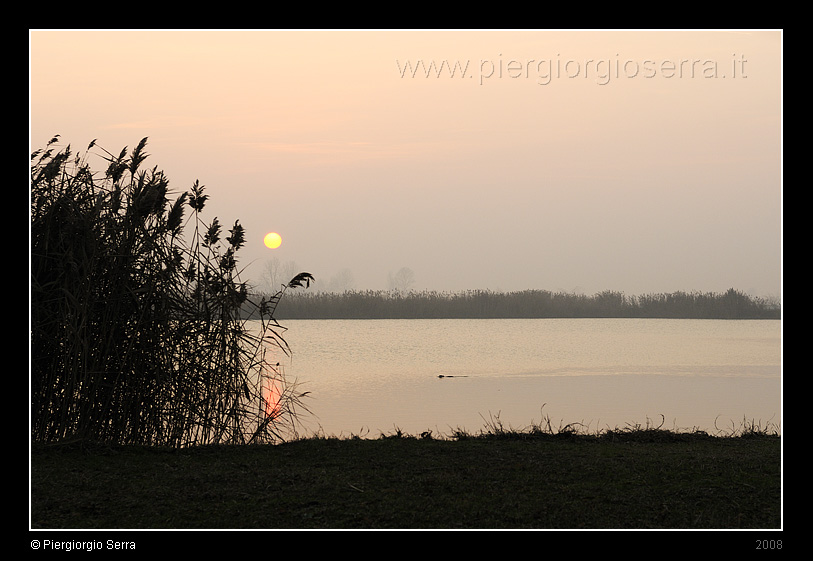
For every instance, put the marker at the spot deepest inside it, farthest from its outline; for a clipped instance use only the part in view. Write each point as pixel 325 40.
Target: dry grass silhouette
pixel 137 335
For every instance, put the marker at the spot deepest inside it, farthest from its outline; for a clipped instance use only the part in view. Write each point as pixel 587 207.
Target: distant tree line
pixel 476 304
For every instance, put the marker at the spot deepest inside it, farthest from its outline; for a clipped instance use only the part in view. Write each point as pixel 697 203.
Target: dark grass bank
pixel 648 479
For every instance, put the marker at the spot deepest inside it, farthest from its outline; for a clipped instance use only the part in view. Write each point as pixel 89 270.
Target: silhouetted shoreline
pixel 486 304
pixel 620 479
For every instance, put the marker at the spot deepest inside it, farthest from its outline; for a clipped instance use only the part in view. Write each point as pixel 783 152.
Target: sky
pixel 579 161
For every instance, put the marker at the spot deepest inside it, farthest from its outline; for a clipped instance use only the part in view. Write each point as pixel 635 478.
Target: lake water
pixel 368 377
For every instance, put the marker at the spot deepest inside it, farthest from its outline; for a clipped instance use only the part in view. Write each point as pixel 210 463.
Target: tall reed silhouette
pixel 137 336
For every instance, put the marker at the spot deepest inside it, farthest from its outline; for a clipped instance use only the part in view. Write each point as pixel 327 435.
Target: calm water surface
pixel 368 377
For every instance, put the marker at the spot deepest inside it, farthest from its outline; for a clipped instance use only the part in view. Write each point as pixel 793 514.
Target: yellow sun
pixel 272 240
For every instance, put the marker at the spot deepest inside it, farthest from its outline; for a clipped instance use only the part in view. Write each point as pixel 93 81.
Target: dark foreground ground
pixel 643 480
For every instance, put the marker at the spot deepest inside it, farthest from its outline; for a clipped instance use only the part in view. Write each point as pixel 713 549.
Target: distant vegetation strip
pixel 484 304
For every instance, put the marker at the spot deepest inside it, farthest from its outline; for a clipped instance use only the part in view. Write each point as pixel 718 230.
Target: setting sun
pixel 272 240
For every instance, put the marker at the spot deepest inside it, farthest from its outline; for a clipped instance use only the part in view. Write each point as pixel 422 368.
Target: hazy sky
pixel 638 161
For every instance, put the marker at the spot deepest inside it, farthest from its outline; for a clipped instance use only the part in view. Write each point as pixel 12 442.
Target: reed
pixel 136 333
